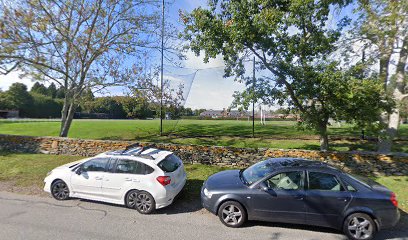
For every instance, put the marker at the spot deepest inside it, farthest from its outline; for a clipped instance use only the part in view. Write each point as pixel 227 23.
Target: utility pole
pixel 253 101
pixel 363 61
pixel 161 74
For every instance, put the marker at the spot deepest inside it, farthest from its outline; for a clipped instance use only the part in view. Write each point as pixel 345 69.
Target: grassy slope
pixel 30 169
pixel 399 186
pixel 201 132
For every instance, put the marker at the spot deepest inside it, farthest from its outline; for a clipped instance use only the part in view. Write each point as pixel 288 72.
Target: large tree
pixel 292 41
pixel 76 44
pixel 382 30
pixel 18 98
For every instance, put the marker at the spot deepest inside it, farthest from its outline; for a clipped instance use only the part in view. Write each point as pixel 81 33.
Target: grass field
pixel 29 170
pixel 275 134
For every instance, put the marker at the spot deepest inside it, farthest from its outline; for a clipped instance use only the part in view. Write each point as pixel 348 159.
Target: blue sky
pixel 209 89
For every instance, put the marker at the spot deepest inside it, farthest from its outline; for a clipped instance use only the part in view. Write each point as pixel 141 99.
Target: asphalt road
pixel 30 217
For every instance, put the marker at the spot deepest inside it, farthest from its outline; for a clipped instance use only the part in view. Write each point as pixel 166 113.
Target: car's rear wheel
pixel 359 226
pixel 59 190
pixel 142 201
pixel 232 214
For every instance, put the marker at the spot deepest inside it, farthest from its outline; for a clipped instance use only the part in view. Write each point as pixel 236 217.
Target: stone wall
pixel 368 163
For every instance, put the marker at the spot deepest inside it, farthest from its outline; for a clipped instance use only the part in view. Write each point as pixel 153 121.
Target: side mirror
pixel 78 171
pixel 263 186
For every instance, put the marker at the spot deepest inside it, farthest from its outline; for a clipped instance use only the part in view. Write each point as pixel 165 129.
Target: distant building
pixel 238 114
pixel 223 113
pixel 212 113
pixel 9 113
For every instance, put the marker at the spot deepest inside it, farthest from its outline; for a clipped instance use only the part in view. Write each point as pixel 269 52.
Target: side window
pixel 285 181
pixel 324 181
pixel 111 165
pixel 132 167
pixel 349 187
pixel 95 165
pixel 148 169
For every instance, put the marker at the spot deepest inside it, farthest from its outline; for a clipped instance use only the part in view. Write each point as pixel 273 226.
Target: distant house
pixel 238 114
pixel 223 114
pixel 212 113
pixel 9 113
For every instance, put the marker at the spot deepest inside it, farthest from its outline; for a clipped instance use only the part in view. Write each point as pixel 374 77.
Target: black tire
pixel 359 226
pixel 142 201
pixel 60 190
pixel 232 214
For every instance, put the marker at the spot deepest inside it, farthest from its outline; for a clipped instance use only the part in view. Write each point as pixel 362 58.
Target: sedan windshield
pixel 257 171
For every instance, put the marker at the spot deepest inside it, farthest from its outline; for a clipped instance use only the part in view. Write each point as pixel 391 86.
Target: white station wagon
pixel 142 178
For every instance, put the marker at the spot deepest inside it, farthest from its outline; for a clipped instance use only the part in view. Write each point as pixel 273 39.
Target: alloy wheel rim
pixel 360 228
pixel 142 202
pixel 60 190
pixel 231 215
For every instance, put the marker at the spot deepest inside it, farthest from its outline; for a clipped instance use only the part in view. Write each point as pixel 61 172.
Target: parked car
pixel 142 178
pixel 301 191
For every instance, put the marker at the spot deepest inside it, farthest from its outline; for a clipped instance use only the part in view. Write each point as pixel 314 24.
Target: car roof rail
pixel 131 146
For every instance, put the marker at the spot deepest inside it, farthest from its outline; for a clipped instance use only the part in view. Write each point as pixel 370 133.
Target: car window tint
pixel 170 164
pixel 129 166
pixel 148 169
pixel 324 181
pixel 111 165
pixel 95 165
pixel 285 181
pixel 349 187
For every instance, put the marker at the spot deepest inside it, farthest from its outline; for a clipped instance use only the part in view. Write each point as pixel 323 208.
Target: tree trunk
pixel 324 139
pixel 64 113
pixel 65 125
pixel 384 71
pixel 385 143
pixel 393 119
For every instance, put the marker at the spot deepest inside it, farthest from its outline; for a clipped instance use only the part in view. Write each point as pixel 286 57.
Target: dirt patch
pixel 11 186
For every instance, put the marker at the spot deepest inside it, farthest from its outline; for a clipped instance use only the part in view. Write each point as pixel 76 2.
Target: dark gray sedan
pixel 303 192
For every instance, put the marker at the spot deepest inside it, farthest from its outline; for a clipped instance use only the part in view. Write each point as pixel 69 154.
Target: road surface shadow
pixel 193 205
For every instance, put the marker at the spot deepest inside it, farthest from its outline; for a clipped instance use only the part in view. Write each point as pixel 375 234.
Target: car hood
pixel 225 180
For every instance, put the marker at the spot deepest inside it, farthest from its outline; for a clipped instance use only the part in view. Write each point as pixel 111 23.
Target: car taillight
pixel 394 199
pixel 164 180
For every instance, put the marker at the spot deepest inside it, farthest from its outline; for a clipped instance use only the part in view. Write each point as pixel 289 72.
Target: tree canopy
pixel 293 42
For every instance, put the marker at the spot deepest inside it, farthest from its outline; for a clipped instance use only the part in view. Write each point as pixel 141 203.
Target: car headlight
pixel 49 173
pixel 207 193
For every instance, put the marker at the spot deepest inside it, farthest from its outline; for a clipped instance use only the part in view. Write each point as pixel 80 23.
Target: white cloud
pixel 197 62
pixel 7 80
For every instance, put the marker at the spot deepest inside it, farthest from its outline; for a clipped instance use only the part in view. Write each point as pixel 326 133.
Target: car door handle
pixel 98 178
pixel 300 198
pixel 128 179
pixel 342 199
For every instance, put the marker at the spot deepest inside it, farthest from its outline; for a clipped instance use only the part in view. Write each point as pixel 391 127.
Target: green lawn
pixel 275 134
pixel 30 169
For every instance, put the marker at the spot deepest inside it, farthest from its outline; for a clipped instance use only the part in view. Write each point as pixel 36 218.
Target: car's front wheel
pixel 359 226
pixel 60 190
pixel 232 214
pixel 142 201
